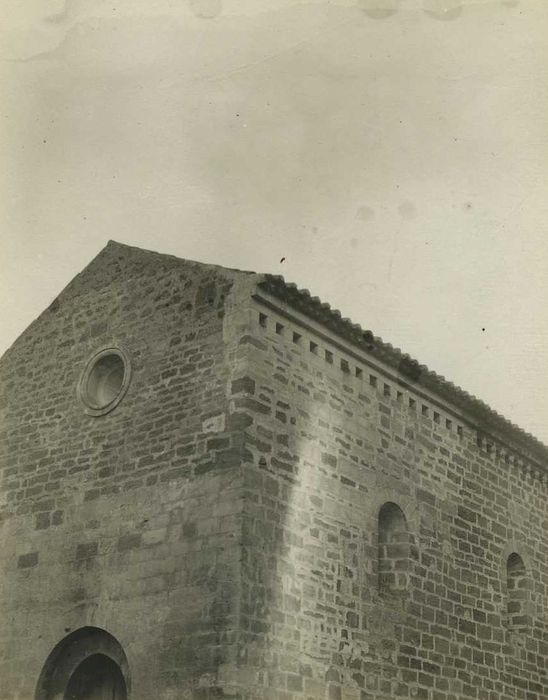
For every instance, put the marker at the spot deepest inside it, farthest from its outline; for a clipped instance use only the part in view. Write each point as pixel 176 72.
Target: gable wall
pixel 127 521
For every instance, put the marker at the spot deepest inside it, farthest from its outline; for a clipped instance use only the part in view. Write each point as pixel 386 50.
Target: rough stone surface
pixel 128 521
pixel 266 514
pixel 332 442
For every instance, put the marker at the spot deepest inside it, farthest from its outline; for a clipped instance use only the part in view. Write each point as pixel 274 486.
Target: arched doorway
pixel 96 678
pixel 88 664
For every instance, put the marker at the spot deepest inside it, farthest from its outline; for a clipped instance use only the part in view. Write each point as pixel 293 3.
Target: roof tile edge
pixel 486 418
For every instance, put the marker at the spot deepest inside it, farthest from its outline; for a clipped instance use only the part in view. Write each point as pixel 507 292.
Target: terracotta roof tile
pixel 412 372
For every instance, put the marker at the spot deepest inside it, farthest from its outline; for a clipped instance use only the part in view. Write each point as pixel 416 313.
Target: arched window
pixel 88 664
pixel 516 585
pixel 393 551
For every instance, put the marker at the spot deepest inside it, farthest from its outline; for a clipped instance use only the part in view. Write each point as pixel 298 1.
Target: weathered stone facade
pixel 280 506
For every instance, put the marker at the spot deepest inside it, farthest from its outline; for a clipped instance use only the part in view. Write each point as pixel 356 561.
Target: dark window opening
pixel 393 551
pixel 517 588
pixel 104 381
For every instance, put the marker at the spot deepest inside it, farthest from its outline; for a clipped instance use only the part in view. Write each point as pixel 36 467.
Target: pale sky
pixel 394 152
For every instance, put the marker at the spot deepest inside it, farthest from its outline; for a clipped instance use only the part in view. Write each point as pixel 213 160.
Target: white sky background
pixel 395 152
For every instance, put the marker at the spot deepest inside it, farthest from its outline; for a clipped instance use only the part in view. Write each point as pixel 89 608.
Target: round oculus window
pixel 105 381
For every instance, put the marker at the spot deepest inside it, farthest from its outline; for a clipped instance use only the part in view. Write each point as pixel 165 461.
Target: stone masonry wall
pixel 129 521
pixel 332 440
pixel 266 515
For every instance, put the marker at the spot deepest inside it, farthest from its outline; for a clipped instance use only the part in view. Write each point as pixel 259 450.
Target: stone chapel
pixel 214 486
